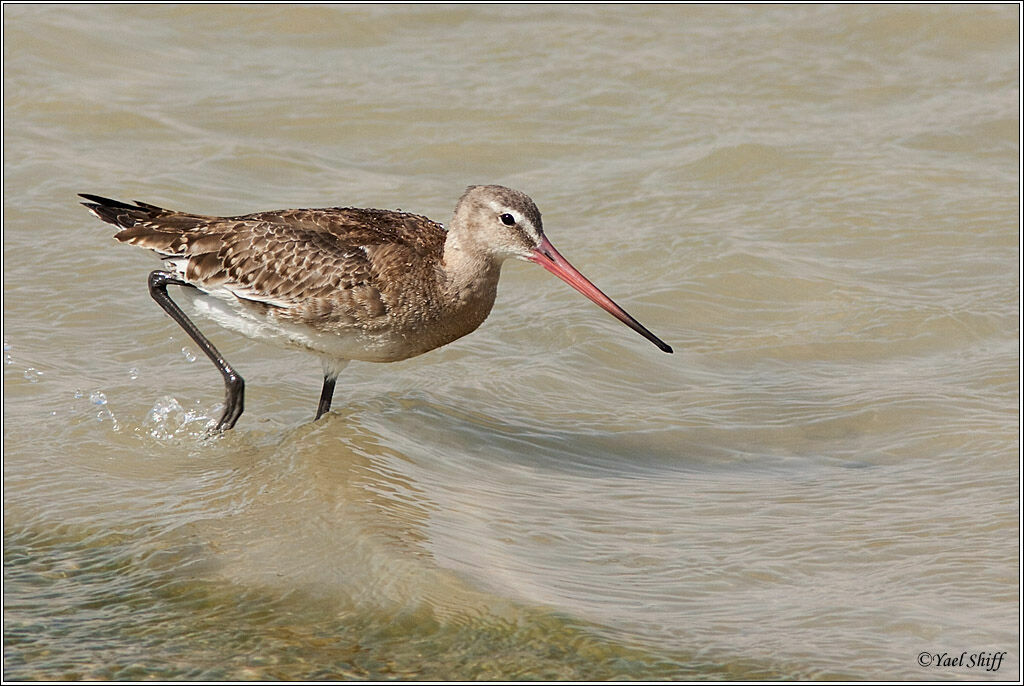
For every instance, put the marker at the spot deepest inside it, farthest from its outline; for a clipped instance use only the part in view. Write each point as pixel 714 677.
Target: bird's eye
pixel 507 219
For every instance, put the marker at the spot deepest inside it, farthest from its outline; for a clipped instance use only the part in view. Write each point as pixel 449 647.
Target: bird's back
pixel 340 267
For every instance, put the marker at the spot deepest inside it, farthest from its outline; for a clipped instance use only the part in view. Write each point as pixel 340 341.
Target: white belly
pixel 348 344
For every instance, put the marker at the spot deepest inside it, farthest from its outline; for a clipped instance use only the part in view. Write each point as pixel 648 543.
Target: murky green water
pixel 816 206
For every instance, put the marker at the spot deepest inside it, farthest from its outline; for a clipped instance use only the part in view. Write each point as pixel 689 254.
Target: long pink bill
pixel 546 256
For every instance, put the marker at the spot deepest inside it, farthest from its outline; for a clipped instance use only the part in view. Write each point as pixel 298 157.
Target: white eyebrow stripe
pixel 521 221
pixel 499 208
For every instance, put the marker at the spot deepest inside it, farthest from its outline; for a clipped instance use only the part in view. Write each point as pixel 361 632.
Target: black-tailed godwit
pixel 342 282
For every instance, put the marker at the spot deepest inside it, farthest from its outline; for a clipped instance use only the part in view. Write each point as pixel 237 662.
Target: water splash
pixel 92 404
pixel 105 415
pixel 169 419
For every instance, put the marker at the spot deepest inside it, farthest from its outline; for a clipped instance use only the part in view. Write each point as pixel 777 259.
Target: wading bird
pixel 342 282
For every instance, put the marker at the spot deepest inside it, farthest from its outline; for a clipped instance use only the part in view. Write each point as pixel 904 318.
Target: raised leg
pixel 326 395
pixel 234 385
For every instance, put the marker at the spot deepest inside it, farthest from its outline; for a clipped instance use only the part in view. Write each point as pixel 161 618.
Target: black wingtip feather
pixel 114 211
pixel 106 202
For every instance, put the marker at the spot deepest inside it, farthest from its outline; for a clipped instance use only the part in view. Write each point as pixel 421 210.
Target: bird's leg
pixel 234 385
pixel 332 368
pixel 326 395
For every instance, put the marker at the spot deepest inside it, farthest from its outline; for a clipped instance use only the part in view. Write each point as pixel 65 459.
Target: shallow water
pixel 816 206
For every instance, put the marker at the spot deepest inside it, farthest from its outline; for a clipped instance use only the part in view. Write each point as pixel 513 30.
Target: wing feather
pixel 340 264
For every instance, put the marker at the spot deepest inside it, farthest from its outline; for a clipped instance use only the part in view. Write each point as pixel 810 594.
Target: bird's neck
pixel 470 273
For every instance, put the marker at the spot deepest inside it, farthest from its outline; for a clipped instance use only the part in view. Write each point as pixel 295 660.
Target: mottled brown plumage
pixel 342 282
pixel 339 266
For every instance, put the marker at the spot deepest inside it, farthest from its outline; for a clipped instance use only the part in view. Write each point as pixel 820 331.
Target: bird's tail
pixel 119 213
